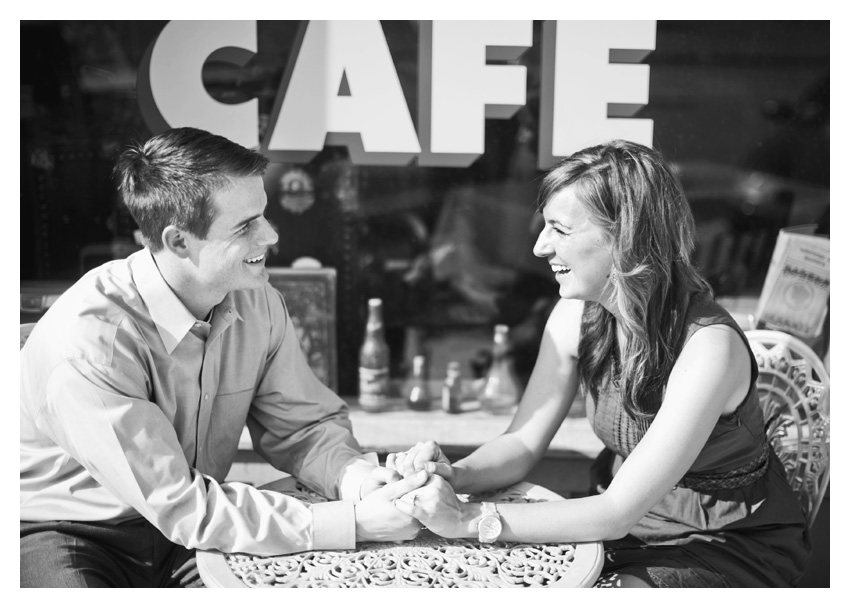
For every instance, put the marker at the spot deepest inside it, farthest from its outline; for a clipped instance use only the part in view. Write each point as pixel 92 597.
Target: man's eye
pixel 244 228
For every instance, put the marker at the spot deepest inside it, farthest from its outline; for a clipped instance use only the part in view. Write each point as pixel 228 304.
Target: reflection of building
pixel 447 248
pixel 739 213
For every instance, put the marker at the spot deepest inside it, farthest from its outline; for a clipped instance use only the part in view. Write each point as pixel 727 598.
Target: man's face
pixel 233 255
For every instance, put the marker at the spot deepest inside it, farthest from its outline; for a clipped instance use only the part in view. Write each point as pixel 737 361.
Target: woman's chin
pixel 567 293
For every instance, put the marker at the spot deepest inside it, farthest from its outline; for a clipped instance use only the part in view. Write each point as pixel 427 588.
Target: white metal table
pixel 427 561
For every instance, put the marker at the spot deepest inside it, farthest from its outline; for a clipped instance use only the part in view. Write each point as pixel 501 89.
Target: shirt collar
pixel 171 317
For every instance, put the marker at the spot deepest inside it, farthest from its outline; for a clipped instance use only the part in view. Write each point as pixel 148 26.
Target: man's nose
pixel 269 235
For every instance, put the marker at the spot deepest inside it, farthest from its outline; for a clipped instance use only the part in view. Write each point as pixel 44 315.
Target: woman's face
pixel 578 250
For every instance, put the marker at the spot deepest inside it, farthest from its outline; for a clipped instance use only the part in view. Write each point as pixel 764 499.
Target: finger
pixel 391 460
pixel 414 458
pixel 441 469
pixel 404 507
pixel 426 452
pixel 411 497
pixel 403 486
pixel 384 475
pixel 432 449
pixel 413 454
pixel 403 464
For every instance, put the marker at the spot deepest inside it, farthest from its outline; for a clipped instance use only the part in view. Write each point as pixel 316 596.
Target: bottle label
pixel 450 400
pixel 374 386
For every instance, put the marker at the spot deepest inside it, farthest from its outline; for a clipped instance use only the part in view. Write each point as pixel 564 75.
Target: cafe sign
pixel 341 88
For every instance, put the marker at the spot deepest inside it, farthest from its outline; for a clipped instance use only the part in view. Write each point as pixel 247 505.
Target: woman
pixel 699 498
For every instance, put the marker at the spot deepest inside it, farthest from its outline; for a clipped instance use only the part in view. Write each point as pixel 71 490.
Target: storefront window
pixel 741 108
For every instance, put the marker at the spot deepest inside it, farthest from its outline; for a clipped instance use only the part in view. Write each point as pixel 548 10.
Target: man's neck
pixel 197 299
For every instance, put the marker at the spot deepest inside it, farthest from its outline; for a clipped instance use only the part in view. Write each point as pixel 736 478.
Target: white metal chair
pixel 793 387
pixel 26 329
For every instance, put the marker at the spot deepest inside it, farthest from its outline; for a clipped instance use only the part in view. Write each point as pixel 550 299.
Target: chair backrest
pixel 26 329
pixel 793 387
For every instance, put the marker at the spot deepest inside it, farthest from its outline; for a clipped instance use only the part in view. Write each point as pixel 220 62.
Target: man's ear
pixel 174 240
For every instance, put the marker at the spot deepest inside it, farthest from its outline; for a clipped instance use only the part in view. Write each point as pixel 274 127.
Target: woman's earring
pixel 614 277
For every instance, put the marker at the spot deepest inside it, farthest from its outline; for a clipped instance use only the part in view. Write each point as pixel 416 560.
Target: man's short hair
pixel 170 179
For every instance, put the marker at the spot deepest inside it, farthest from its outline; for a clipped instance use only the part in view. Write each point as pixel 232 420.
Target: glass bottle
pixel 374 368
pixel 501 390
pixel 418 395
pixel 452 394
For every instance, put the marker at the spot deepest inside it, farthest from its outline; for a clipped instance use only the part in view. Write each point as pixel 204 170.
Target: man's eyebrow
pixel 247 221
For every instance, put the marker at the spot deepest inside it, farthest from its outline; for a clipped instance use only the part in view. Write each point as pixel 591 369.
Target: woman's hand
pixel 436 505
pixel 378 520
pixel 424 456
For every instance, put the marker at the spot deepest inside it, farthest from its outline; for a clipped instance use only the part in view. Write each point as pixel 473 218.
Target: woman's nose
pixel 542 248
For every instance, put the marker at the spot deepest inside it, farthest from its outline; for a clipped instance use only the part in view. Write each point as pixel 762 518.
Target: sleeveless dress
pixel 733 520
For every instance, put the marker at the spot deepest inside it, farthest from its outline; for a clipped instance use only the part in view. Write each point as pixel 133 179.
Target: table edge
pixel 217 573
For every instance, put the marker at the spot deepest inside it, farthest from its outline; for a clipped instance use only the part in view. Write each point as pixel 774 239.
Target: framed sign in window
pixel 310 296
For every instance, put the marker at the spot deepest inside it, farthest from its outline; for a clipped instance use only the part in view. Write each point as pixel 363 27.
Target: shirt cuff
pixel 333 525
pixel 353 473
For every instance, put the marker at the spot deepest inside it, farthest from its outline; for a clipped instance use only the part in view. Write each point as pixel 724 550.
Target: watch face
pixel 489 528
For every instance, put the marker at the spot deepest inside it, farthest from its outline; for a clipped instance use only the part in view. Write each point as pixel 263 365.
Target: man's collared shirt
pixel 131 406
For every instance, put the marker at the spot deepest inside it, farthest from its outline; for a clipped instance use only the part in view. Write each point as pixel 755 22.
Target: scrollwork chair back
pixel 793 387
pixel 26 329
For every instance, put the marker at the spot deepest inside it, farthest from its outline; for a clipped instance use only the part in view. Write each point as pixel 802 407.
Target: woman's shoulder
pixel 713 335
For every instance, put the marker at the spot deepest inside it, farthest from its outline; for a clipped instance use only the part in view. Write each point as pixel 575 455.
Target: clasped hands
pixel 417 484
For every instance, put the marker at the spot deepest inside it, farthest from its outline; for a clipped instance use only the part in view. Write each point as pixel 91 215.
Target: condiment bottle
pixel 374 369
pixel 418 395
pixel 452 394
pixel 501 390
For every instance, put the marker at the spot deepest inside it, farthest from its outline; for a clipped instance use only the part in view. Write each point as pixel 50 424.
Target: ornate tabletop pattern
pixel 427 561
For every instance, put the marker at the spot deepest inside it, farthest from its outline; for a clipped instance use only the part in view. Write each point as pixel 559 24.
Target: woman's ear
pixel 174 240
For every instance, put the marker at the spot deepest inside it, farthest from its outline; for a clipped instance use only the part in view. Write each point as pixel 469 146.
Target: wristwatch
pixel 490 525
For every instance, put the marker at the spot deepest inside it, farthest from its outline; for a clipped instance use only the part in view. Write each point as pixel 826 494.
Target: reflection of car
pixel 796 142
pixel 738 213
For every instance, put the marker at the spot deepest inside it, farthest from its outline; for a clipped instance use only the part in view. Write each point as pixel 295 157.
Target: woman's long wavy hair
pixel 632 194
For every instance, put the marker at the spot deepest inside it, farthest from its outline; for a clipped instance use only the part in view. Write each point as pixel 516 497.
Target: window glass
pixel 740 107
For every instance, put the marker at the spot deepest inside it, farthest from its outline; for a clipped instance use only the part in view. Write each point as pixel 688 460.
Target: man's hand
pixel 437 507
pixel 424 456
pixel 378 478
pixel 377 518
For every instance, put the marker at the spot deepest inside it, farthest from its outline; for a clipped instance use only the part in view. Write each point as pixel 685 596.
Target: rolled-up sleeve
pixel 101 416
pixel 298 424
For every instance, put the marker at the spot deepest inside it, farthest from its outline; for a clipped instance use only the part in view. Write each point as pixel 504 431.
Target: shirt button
pixel 207 397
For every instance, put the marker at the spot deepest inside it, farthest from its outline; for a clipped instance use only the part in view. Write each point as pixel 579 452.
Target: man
pixel 136 384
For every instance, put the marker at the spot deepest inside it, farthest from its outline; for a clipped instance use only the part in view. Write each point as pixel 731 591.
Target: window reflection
pixel 742 108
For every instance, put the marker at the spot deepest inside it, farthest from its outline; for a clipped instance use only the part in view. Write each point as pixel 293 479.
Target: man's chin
pixel 257 279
